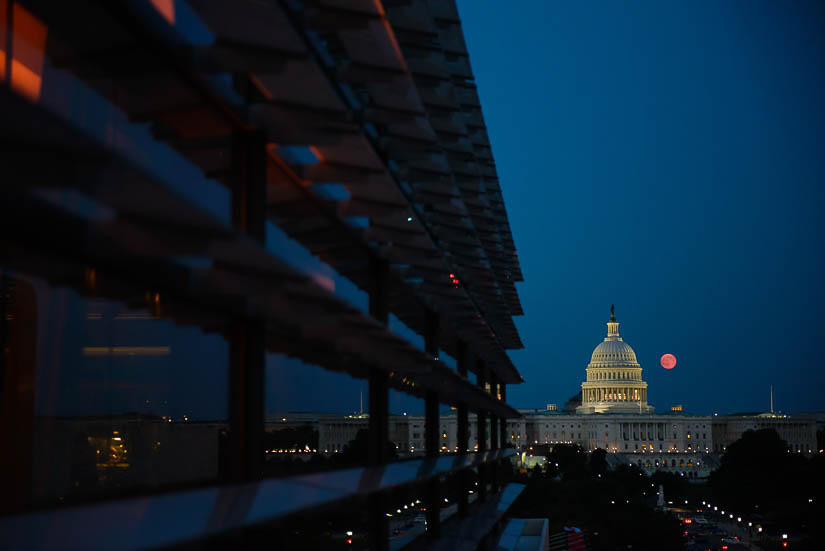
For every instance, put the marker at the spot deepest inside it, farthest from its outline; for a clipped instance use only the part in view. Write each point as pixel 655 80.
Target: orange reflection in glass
pixel 166 8
pixel 28 46
pixel 3 10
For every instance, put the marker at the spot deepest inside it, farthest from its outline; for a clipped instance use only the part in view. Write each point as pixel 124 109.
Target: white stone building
pixel 614 415
pixel 614 377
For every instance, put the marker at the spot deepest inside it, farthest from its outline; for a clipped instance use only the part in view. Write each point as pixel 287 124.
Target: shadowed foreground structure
pixel 198 180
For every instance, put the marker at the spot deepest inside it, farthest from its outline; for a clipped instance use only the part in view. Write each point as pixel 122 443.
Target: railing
pixel 171 519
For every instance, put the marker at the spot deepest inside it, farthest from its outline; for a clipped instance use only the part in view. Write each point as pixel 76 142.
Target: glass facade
pixel 235 304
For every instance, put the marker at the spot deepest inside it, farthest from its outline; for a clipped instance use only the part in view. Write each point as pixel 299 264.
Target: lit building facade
pixel 614 377
pixel 798 431
pixel 613 396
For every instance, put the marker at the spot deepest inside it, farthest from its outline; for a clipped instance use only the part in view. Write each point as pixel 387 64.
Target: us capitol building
pixel 614 377
pixel 611 413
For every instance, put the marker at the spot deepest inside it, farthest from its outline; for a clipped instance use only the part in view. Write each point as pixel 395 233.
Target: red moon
pixel 668 361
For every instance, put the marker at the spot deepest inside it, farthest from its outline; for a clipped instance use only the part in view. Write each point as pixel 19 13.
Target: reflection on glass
pixel 3 32
pixel 113 399
pixel 27 50
pixel 308 428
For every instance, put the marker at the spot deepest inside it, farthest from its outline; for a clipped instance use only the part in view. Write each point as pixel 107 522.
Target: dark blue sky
pixel 668 157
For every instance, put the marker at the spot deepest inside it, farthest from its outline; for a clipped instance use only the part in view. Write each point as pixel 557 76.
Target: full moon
pixel 668 361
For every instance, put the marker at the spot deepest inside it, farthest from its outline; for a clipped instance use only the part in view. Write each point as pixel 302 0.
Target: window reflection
pixel 27 50
pixel 101 398
pixel 3 24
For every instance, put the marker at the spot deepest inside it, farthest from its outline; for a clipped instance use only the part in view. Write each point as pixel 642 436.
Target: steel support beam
pixel 379 421
pixel 481 420
pixel 247 339
pixel 247 357
pixel 462 431
pixel 248 165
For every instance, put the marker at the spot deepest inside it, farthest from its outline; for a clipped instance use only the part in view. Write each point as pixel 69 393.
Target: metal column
pixel 503 428
pixel 462 432
pixel 247 338
pixel 379 421
pixel 481 419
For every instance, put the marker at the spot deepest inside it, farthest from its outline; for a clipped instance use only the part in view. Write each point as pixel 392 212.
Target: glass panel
pixel 301 259
pixel 113 399
pixel 315 418
pixel 407 424
pixel 399 328
pixel 447 359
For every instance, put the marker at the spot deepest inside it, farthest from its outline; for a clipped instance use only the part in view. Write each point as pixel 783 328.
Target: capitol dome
pixel 611 353
pixel 614 377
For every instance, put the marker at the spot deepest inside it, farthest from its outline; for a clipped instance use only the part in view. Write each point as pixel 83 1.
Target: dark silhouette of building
pixel 309 180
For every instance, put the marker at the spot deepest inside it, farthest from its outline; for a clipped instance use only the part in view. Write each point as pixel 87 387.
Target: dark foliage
pixel 786 491
pixel 616 510
pixel 598 461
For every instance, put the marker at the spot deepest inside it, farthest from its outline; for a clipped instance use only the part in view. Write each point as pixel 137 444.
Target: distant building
pixel 614 377
pixel 798 431
pixel 609 418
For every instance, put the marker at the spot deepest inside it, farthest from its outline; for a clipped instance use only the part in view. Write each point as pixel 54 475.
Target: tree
pixel 357 451
pixel 750 469
pixel 571 460
pixel 598 461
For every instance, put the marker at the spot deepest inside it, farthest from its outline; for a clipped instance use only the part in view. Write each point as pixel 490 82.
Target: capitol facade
pixel 614 377
pixel 613 415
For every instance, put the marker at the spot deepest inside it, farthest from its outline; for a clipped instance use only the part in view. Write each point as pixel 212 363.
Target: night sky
pixel 669 158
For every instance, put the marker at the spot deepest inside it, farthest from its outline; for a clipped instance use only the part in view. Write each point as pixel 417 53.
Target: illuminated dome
pixel 613 351
pixel 614 377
